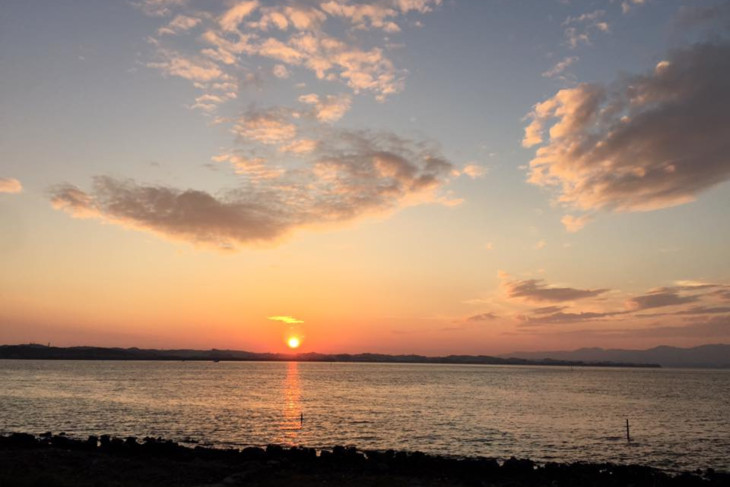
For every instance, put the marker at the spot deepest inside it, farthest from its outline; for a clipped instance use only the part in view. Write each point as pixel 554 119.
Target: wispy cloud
pixel 289 320
pixel 578 29
pixel 159 8
pixel 180 23
pixel 538 291
pixel 560 66
pixel 627 5
pixel 683 300
pixel 573 224
pixel 482 317
pixel 474 171
pixel 10 185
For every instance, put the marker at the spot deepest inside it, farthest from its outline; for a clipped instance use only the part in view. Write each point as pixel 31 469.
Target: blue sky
pixel 366 147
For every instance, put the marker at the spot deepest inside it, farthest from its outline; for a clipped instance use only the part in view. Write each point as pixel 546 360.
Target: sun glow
pixel 293 342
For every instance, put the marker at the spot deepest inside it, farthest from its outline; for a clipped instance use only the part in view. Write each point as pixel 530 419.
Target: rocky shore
pixel 57 460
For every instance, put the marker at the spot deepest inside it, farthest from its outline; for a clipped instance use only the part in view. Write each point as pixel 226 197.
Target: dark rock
pixel 274 451
pixel 520 466
pixel 253 453
pixel 60 442
pixel 22 440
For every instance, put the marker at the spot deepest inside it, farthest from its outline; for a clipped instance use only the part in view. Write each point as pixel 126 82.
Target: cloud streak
pixel 289 320
pixel 537 291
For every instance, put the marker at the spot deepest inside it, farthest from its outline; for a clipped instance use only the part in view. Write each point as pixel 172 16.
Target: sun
pixel 293 342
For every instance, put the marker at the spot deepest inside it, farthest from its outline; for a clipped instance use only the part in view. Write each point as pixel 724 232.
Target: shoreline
pixel 59 460
pixel 42 352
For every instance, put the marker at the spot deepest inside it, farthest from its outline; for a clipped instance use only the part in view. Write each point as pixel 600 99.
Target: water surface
pixel 680 419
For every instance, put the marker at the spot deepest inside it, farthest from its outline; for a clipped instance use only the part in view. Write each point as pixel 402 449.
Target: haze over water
pixel 678 417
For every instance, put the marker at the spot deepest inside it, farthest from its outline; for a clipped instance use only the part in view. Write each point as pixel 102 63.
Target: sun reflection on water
pixel 292 420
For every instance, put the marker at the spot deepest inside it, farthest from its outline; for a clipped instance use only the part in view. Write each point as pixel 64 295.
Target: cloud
pixel 627 4
pixel 541 244
pixel 574 223
pixel 659 298
pixel 193 69
pixel 296 35
pixel 548 310
pixel 255 168
pixel 280 71
pixel 350 175
pixel 563 317
pixel 578 28
pixel 289 320
pixel 474 171
pixel 180 23
pixel 235 15
pixel 482 317
pixel 10 185
pixel 300 146
pixel 330 108
pixel 703 310
pixel 268 127
pixel 648 142
pixel 159 8
pixel 560 67
pixel 536 291
pixel 376 15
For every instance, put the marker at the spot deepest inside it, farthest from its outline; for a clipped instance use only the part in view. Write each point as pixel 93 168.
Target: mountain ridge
pixel 43 352
pixel 716 355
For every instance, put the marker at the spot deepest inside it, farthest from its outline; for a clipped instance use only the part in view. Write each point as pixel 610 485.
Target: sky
pixel 393 176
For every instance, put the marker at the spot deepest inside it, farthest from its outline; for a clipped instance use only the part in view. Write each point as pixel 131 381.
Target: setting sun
pixel 293 342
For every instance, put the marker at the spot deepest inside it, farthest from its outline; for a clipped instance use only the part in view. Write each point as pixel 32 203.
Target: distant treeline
pixel 42 352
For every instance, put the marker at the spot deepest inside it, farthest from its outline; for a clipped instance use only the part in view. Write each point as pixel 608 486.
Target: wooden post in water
pixel 628 436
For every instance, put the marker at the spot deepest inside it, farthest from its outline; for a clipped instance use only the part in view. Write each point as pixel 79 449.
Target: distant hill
pixel 707 356
pixel 42 352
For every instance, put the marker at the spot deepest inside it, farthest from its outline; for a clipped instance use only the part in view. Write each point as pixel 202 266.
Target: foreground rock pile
pixel 59 460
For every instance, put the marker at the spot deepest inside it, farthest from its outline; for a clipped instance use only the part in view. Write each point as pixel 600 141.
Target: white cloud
pixel 651 141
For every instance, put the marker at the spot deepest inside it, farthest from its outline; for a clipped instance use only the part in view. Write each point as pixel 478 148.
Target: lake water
pixel 680 419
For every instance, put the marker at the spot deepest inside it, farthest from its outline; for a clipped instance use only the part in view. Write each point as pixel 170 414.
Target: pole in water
pixel 301 419
pixel 628 436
